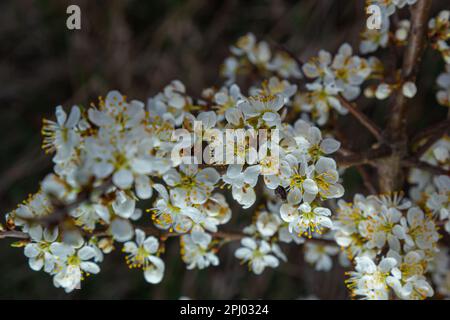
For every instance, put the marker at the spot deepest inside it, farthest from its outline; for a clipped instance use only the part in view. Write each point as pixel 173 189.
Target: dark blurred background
pixel 137 47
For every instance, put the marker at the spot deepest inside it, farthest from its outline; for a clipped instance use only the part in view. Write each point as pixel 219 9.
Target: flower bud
pixel 409 89
pixel 383 91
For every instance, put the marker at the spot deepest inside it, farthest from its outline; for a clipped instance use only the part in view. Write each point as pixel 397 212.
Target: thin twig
pixel 436 128
pixel 362 118
pixel 346 160
pixel 13 234
pixel 283 48
pixel 366 180
pixel 430 135
pixel 228 236
pixel 414 163
pixel 61 211
pixel 411 59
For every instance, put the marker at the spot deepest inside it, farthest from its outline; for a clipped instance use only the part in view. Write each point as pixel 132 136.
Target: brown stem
pixel 430 135
pixel 411 60
pixel 13 234
pixel 414 163
pixel 366 180
pixel 229 236
pixel 362 118
pixel 61 211
pixel 346 160
pixel 390 169
pixel 283 48
pixel 437 128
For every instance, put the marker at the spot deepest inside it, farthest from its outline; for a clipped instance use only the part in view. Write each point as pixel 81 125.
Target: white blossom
pixel 257 255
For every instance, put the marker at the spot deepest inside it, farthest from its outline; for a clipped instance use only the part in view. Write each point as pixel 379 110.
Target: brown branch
pixel 153 231
pixel 294 57
pixel 14 234
pixel 437 128
pixel 362 118
pixel 229 236
pixel 414 163
pixel 225 235
pixel 430 135
pixel 391 176
pixel 411 62
pixel 347 159
pixel 61 211
pixel 367 181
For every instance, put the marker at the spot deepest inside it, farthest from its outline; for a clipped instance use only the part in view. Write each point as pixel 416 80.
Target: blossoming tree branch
pixel 116 152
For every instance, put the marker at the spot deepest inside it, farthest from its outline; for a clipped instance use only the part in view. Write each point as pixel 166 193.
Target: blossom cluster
pixel 116 181
pixel 249 55
pixel 112 155
pixel 374 38
pixel 342 74
pixel 439 34
pixel 392 241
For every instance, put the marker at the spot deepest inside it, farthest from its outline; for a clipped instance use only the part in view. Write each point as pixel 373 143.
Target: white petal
pixel 61 249
pixel 409 89
pixel 124 206
pixel 248 242
pixel 198 196
pixel 74 117
pixel 102 212
pixel 387 264
pixel 287 212
pixel 90 267
pixel 123 178
pixel 86 253
pixel 35 232
pixel 155 275
pixel 271 261
pixel 50 234
pixel 208 119
pixel 143 165
pixel 130 247
pixel 31 250
pixel 121 229
pixel 294 196
pixel 329 145
pixel 210 176
pixel 140 236
pixel 310 186
pixel 243 253
pixel 61 115
pixel 143 187
pixel 36 264
pixel 151 244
